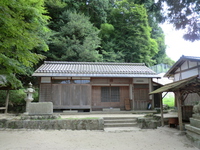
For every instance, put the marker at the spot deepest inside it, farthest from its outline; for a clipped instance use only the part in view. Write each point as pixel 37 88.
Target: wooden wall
pixel 88 96
pixel 98 105
pixel 141 97
pixel 66 96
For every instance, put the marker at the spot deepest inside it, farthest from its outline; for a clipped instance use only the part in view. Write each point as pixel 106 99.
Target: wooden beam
pixel 186 95
pixel 179 103
pixel 165 95
pixel 7 101
pixel 161 110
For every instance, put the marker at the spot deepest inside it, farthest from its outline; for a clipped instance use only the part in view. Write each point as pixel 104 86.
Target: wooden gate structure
pixel 181 90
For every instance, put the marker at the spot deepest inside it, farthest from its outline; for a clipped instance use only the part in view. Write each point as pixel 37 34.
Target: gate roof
pixel 188 85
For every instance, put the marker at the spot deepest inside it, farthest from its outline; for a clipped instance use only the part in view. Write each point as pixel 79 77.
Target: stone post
pixel 29 97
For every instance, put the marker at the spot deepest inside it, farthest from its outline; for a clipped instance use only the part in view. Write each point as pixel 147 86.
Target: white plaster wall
pixel 177 77
pixel 184 65
pixel 189 73
pixel 177 70
pixel 192 64
pixel 45 79
pixel 140 80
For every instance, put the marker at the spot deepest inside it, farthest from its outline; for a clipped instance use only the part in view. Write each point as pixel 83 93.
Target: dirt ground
pixel 163 138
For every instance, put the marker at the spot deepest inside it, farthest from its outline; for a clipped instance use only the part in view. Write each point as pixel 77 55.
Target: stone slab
pixel 41 108
pixel 193 129
pixel 196 116
pixel 194 138
pixel 195 122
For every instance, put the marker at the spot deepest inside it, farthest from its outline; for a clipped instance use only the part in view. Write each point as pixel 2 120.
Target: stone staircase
pixel 112 122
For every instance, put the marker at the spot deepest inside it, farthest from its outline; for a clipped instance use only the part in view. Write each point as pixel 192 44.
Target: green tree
pixel 76 40
pixel 96 10
pixel 133 33
pixel 108 44
pixel 22 28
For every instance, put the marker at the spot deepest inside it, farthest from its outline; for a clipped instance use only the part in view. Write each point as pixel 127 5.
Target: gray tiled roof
pixel 191 57
pixel 181 60
pixel 94 69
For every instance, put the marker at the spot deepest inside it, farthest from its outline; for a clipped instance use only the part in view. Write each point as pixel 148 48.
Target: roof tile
pixel 64 68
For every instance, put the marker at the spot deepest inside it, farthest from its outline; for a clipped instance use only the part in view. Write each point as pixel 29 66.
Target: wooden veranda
pixel 181 90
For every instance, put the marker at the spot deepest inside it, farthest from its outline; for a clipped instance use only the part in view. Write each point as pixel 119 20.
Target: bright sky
pixel 177 46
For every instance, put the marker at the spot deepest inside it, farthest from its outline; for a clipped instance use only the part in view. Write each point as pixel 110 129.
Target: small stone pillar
pixel 29 97
pixel 193 130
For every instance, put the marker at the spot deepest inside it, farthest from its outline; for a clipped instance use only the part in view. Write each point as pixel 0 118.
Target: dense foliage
pixel 22 28
pixel 83 30
pixel 120 31
pixel 79 30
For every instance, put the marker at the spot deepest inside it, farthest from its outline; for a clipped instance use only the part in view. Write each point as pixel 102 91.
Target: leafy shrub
pixel 17 104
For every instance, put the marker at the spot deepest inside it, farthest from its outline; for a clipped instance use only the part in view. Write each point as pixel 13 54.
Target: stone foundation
pixel 56 124
pixel 40 117
pixel 193 130
pixel 148 122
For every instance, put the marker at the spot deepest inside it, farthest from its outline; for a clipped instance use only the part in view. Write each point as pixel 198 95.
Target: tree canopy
pixel 79 30
pixel 23 28
pixel 134 33
pixel 76 39
pixel 126 37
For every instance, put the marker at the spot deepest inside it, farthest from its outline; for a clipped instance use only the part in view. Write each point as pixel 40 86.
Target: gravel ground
pixel 163 138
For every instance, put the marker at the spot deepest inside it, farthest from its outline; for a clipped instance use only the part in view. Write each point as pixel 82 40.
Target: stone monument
pixel 29 91
pixel 37 108
pixel 193 130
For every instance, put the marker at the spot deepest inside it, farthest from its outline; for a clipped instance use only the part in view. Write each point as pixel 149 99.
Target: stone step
pixel 120 122
pixel 119 118
pixel 195 122
pixel 121 129
pixel 193 129
pixel 111 109
pixel 108 125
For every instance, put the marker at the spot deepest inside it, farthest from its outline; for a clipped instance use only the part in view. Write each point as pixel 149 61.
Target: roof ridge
pixel 190 57
pixel 93 63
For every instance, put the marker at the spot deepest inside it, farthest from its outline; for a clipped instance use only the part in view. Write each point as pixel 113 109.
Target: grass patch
pixel 169 100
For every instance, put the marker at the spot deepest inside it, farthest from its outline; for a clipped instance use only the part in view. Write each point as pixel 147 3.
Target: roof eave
pixel 174 86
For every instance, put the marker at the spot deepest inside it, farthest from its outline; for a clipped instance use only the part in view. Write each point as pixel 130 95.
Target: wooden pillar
pixel 179 104
pixel 131 95
pixel 161 110
pixel 7 100
pixel 151 97
pixel 133 102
